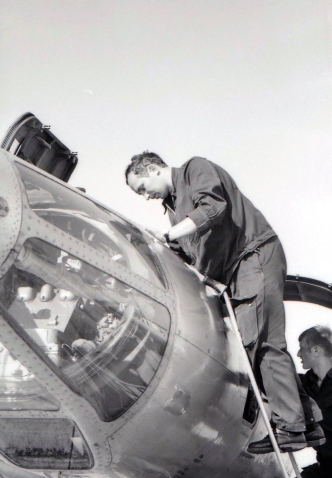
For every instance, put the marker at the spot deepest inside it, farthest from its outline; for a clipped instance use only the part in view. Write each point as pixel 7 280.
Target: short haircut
pixel 140 162
pixel 320 335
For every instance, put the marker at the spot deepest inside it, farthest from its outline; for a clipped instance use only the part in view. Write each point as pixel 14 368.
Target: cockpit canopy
pixel 103 337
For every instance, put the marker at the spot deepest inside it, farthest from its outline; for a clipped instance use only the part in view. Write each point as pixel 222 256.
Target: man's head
pixel 315 346
pixel 146 176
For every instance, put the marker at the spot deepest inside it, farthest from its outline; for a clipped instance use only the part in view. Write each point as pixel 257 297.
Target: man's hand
pixel 183 228
pixel 157 234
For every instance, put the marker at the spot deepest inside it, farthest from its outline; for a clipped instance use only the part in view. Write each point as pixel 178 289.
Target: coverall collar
pixel 170 200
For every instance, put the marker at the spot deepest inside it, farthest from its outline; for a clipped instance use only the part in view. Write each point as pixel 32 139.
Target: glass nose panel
pixel 92 224
pixel 105 338
pixel 19 389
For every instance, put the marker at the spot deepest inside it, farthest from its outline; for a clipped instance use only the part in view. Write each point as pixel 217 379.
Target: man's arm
pixel 208 199
pixel 183 228
pixel 208 194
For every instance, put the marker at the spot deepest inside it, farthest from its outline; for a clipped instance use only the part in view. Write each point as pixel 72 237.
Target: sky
pixel 244 83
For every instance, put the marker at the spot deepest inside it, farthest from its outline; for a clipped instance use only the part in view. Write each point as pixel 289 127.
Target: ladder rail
pixel 254 384
pixel 294 464
pixel 221 289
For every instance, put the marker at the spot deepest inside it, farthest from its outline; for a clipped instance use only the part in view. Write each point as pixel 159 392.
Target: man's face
pixel 306 354
pixel 153 186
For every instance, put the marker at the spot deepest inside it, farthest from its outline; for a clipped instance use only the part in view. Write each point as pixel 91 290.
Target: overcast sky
pixel 245 83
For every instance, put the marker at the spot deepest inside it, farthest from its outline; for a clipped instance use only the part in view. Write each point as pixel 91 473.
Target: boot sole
pixel 261 451
pixel 283 448
pixel 287 447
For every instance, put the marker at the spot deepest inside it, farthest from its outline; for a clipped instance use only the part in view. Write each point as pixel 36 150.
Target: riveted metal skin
pixel 34 226
pixel 189 421
pixel 11 210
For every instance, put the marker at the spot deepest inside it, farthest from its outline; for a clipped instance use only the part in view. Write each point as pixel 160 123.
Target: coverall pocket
pixel 247 320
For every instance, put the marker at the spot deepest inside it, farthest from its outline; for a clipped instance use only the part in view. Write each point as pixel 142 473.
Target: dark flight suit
pixel 323 397
pixel 235 245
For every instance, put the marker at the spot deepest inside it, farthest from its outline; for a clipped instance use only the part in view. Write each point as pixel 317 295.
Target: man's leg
pixel 275 364
pixel 273 264
pixel 257 286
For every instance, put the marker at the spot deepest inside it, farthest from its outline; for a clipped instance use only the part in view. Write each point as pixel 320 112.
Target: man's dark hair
pixel 320 335
pixel 140 162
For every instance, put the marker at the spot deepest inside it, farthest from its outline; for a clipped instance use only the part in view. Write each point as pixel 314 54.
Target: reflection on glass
pixel 91 224
pixel 19 389
pixel 51 443
pixel 107 338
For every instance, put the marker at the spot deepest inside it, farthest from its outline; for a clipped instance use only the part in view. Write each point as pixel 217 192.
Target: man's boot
pixel 287 441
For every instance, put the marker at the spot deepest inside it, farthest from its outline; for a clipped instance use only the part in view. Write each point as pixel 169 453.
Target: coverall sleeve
pixel 207 194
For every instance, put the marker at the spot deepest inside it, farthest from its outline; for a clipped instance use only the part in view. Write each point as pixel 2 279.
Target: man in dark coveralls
pixel 316 352
pixel 228 239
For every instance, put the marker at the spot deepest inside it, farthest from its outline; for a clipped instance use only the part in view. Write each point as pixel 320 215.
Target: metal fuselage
pixel 185 414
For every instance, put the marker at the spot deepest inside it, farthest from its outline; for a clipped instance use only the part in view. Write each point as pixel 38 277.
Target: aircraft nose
pixel 10 208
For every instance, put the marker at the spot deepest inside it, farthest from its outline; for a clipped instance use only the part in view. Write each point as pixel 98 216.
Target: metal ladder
pixel 221 289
